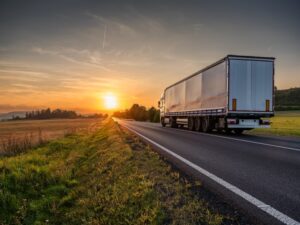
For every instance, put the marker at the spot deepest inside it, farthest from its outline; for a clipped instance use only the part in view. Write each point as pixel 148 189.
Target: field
pixel 285 123
pixel 50 128
pixel 23 133
pixel 107 176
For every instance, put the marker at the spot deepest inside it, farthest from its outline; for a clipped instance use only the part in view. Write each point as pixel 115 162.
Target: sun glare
pixel 110 101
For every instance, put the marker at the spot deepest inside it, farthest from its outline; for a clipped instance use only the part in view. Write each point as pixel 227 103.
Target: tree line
pixel 56 114
pixel 288 99
pixel 139 113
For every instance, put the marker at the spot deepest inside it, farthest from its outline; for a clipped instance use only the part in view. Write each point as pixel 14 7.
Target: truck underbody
pixel 219 123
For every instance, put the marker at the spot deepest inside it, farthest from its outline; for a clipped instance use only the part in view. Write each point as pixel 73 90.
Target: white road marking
pixel 261 205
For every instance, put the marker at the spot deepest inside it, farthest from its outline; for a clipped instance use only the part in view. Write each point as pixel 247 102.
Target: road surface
pixel 265 168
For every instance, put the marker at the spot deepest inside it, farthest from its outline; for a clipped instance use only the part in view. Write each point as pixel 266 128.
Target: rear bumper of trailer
pixel 248 126
pixel 247 123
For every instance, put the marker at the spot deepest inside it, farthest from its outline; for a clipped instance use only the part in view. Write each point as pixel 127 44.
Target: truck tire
pixel 238 131
pixel 162 121
pixel 228 131
pixel 173 122
pixel 205 125
pixel 197 124
pixel 191 123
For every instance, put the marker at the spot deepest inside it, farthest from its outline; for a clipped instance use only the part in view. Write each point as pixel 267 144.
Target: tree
pixel 152 114
pixel 139 113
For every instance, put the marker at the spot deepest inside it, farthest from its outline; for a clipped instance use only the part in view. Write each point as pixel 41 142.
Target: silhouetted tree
pixel 57 114
pixel 139 113
pixel 288 99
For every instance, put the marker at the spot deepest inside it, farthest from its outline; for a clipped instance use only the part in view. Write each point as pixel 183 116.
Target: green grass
pixel 107 177
pixel 284 123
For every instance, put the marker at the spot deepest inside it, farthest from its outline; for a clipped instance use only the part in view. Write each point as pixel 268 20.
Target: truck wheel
pixel 228 131
pixel 197 124
pixel 238 131
pixel 173 122
pixel 162 121
pixel 206 125
pixel 191 123
pixel 219 130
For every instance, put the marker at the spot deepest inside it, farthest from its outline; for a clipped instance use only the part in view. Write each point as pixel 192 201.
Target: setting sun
pixel 110 101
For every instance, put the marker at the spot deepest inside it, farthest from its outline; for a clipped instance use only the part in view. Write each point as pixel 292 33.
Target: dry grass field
pixel 17 136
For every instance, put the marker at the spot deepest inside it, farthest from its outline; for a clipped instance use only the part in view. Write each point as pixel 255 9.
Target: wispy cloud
pixel 104 36
pixel 113 23
pixel 198 26
pixel 80 57
pixel 44 51
pixel 24 72
pixel 148 23
pixel 2 49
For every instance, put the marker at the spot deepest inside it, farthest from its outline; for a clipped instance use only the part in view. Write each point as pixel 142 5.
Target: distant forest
pixel 288 99
pixel 55 114
pixel 139 113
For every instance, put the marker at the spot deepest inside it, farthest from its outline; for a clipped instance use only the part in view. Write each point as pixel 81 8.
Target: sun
pixel 110 101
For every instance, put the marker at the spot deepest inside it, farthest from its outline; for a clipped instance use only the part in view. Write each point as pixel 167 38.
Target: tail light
pixel 267 105
pixel 234 104
pixel 232 121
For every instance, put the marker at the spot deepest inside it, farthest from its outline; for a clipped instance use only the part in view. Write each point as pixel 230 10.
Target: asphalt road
pixel 267 168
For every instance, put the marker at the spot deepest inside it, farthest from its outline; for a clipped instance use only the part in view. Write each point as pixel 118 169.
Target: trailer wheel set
pixel 202 124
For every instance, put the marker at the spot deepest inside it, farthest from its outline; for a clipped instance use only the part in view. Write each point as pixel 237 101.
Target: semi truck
pixel 235 94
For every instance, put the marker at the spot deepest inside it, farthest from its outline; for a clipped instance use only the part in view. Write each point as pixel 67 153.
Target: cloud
pixel 82 57
pixel 113 23
pixel 198 26
pixel 104 37
pixel 23 72
pixel 9 108
pixel 24 86
pixel 44 51
pixel 147 23
pixel 2 49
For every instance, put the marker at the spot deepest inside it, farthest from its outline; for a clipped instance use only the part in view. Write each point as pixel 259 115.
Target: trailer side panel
pixel 214 87
pixel 193 92
pixel 206 90
pixel 175 98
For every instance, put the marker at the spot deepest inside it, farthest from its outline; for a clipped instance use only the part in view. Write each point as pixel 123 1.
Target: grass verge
pixel 107 177
pixel 286 123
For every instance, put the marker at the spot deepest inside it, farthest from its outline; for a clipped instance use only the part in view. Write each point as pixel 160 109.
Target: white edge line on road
pixel 254 201
pixel 242 140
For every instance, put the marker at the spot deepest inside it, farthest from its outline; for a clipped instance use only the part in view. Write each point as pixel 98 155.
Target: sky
pixel 71 54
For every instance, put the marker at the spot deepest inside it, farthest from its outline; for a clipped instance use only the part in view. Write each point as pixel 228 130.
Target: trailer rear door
pixel 251 85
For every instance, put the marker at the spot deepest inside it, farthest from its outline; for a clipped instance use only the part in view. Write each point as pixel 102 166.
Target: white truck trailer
pixel 233 94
